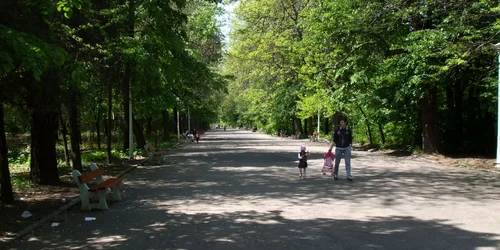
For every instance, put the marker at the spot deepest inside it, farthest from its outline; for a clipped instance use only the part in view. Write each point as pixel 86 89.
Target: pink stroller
pixel 328 159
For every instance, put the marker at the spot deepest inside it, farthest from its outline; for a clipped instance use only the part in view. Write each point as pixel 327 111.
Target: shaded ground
pixel 41 201
pixel 222 198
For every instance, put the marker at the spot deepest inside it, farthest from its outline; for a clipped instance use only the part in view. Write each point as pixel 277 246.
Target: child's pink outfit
pixel 328 158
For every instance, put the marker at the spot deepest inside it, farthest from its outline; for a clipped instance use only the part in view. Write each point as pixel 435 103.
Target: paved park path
pixel 240 190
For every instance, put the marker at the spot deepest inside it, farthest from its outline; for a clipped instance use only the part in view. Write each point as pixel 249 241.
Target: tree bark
pixel 127 78
pixel 43 147
pixel 306 126
pixel 174 115
pixel 43 101
pixel 65 138
pixel 149 126
pixel 126 99
pixel 164 115
pixel 138 132
pixel 327 125
pixel 98 127
pixel 6 194
pixel 110 118
pixel 368 129
pixel 454 99
pixel 76 154
pixel 298 127
pixel 381 131
pixel 430 132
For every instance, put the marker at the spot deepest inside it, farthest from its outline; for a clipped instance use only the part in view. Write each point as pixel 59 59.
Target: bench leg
pixel 103 205
pixel 115 194
pixel 85 201
pixel 86 205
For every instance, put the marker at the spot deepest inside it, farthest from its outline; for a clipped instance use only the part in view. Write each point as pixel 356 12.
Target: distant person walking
pixel 303 154
pixel 342 139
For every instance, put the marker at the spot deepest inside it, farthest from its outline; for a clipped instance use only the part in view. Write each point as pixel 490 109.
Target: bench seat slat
pixel 89 176
pixel 106 184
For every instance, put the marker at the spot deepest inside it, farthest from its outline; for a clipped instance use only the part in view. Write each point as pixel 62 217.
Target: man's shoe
pixel 349 179
pixel 336 177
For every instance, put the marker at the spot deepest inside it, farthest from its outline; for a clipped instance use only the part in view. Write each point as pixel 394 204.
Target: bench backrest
pixel 90 176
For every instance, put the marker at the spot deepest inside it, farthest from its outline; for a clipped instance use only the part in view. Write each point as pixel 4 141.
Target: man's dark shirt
pixel 342 137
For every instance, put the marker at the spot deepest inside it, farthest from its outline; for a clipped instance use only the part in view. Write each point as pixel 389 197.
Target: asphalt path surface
pixel 240 190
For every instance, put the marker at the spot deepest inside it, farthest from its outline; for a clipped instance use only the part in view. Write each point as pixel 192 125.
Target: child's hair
pixel 302 148
pixel 330 150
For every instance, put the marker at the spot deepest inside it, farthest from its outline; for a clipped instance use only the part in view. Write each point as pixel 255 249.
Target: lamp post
pixel 130 121
pixel 178 120
pixel 189 120
pixel 319 109
pixel 497 47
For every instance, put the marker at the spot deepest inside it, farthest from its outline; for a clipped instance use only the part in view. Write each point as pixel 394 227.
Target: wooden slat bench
pixel 101 188
pixel 154 157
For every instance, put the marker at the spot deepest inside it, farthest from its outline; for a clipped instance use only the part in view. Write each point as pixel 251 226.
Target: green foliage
pixel 26 53
pixel 18 159
pixel 95 156
pixel 67 6
pixel 21 180
pixel 374 61
pixel 101 156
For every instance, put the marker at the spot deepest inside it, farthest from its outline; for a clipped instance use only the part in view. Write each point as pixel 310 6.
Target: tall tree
pixel 6 194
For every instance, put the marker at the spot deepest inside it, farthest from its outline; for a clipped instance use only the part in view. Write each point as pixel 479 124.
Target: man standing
pixel 342 139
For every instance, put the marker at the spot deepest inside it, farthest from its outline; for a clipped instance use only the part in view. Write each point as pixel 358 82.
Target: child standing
pixel 303 154
pixel 328 158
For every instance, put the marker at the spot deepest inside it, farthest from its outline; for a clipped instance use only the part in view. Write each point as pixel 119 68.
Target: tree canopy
pixel 405 74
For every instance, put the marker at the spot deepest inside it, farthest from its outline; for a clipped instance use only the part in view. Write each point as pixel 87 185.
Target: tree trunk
pixel 98 127
pixel 6 194
pixel 430 132
pixel 381 131
pixel 126 99
pixel 138 132
pixel 149 126
pixel 327 125
pixel 127 78
pixel 298 127
pixel 76 154
pixel 65 138
pixel 164 115
pixel 43 147
pixel 368 129
pixel 44 105
pixel 110 118
pixel 454 99
pixel 175 123
pixel 306 126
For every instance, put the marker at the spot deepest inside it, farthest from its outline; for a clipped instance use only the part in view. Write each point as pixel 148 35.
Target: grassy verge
pixel 19 162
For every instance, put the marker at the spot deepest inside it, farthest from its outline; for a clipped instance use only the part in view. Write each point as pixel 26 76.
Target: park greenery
pixel 413 75
pixel 70 68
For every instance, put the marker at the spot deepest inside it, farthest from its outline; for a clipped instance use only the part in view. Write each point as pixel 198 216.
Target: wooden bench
pixel 154 157
pixel 314 137
pixel 101 188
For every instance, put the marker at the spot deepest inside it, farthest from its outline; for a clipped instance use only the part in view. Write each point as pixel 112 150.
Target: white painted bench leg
pixel 85 200
pixel 84 191
pixel 103 205
pixel 115 193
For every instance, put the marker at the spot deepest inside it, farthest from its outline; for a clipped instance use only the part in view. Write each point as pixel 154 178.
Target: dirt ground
pixel 41 201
